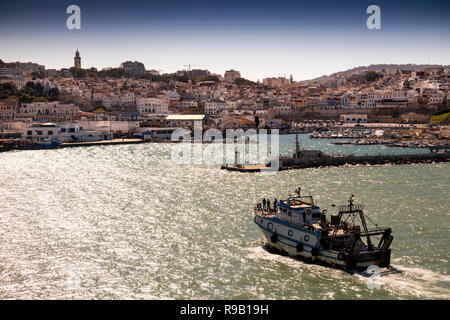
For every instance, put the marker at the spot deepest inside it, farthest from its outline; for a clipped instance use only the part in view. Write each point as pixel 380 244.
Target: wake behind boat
pixel 297 227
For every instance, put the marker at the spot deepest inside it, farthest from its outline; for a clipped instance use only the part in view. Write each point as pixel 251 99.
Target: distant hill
pixel 380 67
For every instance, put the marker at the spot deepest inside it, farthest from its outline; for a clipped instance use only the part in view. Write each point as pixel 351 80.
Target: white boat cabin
pixel 298 210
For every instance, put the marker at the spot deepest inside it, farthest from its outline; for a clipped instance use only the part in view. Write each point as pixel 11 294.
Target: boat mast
pixel 297 145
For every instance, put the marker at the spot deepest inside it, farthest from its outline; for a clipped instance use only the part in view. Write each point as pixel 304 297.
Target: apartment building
pixel 148 106
pixel 371 99
pixel 232 75
pixel 276 82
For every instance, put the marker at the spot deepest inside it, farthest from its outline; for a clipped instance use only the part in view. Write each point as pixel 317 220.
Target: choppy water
pixel 126 222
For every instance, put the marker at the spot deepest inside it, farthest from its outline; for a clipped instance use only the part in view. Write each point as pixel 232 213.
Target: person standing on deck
pixel 264 203
pixel 275 204
pixel 268 205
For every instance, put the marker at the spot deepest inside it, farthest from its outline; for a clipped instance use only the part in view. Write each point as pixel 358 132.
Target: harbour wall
pixel 298 163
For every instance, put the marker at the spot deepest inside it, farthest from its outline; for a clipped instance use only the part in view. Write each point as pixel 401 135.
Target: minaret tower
pixel 77 60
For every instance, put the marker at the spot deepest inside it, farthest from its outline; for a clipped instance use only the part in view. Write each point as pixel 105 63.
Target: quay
pixel 333 161
pixel 303 158
pixel 16 145
pixel 244 167
pixel 102 143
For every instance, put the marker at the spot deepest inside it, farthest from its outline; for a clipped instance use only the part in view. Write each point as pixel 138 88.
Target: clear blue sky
pixel 259 38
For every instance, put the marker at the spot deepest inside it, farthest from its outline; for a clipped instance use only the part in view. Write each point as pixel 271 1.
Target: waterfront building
pixel 184 120
pixel 214 107
pixel 47 111
pixel 71 132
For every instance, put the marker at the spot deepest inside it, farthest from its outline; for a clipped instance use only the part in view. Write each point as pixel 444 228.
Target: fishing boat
pixel 297 227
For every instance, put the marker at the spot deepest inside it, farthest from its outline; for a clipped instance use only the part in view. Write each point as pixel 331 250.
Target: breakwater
pixel 290 163
pixel 320 161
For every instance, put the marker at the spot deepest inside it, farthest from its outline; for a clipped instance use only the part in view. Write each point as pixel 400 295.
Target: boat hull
pixel 286 237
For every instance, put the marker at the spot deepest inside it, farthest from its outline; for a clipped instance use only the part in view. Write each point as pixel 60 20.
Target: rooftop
pixel 185 117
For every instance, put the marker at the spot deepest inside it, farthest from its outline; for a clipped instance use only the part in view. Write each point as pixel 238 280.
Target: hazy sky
pixel 259 38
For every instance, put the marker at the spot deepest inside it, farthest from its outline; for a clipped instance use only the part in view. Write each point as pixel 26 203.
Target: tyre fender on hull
pixel 299 247
pixel 274 238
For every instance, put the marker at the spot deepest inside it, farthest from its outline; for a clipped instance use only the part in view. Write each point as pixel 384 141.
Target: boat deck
pixel 265 213
pixel 271 214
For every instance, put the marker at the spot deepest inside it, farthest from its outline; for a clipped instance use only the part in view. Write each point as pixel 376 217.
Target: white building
pixel 185 120
pixel 215 107
pixel 110 100
pixel 436 96
pixel 127 99
pixel 371 99
pixel 47 111
pixel 71 132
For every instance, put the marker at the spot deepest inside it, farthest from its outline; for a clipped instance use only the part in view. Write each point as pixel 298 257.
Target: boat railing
pixel 263 212
pixel 351 207
pixel 293 219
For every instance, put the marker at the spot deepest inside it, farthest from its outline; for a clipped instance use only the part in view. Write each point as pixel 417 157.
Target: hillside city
pixel 76 104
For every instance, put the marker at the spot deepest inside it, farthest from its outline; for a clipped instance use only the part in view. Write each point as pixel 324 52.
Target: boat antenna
pixel 350 202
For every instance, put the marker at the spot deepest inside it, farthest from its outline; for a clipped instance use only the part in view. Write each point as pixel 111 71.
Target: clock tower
pixel 77 60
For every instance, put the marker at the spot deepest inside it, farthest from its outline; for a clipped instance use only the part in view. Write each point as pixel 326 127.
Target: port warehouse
pixel 92 130
pixel 84 131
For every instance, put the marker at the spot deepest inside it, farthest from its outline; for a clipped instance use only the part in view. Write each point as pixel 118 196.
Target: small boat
pixel 296 226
